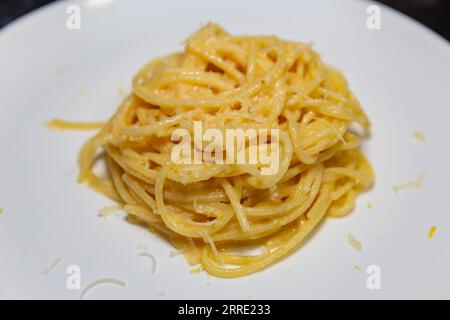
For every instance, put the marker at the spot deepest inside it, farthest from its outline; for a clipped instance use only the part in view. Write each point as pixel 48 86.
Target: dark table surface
pixel 433 13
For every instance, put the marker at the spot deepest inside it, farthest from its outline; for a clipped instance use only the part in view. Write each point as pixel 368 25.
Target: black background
pixel 433 13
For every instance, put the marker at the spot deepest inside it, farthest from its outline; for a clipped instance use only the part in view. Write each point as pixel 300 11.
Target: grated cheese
pixel 150 256
pixel 411 185
pixel 432 232
pixel 106 211
pixel 51 266
pixel 420 136
pixel 100 282
pixel 354 242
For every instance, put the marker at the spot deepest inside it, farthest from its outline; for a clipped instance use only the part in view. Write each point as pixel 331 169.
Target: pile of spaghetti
pixel 230 218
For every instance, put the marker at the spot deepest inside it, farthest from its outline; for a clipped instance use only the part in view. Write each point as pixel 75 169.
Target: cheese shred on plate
pixel 354 242
pixel 106 211
pixel 151 257
pixel 420 136
pixel 51 266
pixel 100 282
pixel 432 232
pixel 416 184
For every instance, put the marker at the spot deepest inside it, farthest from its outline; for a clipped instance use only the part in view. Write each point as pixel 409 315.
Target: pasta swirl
pixel 212 212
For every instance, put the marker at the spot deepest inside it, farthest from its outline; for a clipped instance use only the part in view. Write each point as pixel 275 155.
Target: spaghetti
pixel 228 218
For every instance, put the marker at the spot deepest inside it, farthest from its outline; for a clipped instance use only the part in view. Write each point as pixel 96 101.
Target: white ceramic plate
pixel 401 74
